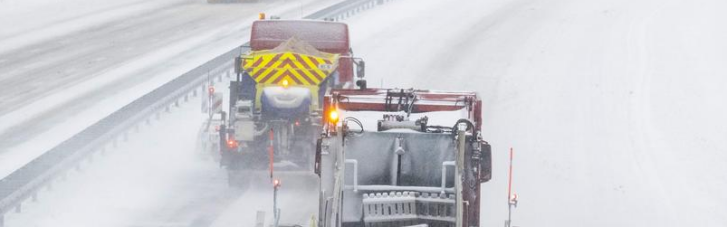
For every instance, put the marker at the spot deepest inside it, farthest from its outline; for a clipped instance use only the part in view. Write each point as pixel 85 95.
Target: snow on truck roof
pixel 442 108
pixel 369 119
pixel 419 92
pixel 331 37
pixel 426 100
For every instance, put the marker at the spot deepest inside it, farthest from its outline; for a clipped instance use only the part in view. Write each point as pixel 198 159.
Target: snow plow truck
pixel 276 98
pixel 401 157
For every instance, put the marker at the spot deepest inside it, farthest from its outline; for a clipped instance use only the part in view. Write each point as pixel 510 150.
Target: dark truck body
pixel 274 111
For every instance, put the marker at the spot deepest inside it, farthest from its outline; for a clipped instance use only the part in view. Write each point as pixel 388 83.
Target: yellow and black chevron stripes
pixel 297 69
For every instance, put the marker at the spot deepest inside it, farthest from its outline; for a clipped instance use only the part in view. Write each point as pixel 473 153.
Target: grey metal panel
pixel 421 163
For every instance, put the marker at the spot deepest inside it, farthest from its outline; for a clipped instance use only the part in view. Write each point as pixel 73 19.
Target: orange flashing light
pixel 261 16
pixel 285 83
pixel 333 116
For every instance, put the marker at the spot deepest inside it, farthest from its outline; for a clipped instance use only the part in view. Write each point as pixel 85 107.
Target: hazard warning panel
pixel 294 61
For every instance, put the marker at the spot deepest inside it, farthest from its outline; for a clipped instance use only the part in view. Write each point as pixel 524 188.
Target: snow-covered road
pixel 159 177
pixel 148 181
pixel 53 88
pixel 615 109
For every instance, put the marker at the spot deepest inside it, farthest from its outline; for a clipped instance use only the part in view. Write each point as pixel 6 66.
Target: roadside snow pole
pixel 511 198
pixel 270 154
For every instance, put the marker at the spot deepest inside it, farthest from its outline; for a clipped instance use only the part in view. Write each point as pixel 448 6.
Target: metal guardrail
pixel 25 182
pixel 345 9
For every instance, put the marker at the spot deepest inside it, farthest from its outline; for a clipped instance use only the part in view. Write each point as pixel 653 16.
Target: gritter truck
pixel 401 157
pixel 276 98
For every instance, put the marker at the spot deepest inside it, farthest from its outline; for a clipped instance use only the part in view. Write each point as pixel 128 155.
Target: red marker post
pixel 271 153
pixel 210 93
pixel 509 180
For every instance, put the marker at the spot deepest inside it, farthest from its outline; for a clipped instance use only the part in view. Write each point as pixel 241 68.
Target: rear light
pixel 232 143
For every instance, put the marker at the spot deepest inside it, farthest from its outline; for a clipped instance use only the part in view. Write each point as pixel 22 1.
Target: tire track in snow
pixel 641 128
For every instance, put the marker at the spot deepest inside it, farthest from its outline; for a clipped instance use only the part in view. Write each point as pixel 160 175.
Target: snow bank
pixel 32 21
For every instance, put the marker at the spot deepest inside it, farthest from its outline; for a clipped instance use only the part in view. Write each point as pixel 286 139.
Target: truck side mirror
pixel 317 164
pixel 223 138
pixel 486 163
pixel 361 84
pixel 360 69
pixel 238 65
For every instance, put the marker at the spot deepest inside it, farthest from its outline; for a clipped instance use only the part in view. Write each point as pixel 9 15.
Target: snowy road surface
pixel 615 109
pixel 155 180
